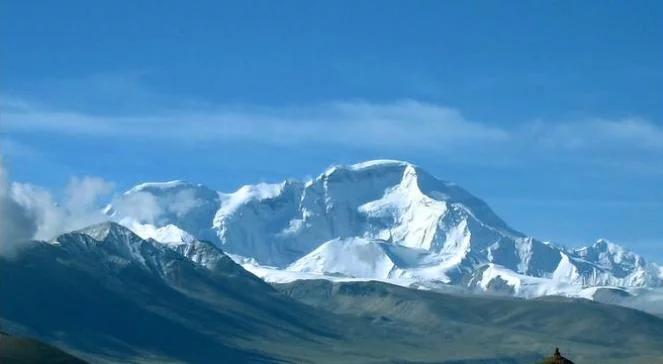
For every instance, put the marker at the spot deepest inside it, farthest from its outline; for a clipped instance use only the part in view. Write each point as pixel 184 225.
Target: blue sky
pixel 550 111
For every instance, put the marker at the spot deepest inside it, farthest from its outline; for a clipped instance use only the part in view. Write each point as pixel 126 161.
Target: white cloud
pixel 142 206
pixel 48 216
pixel 396 126
pixel 79 208
pixel 631 133
pixel 403 123
pixel 183 202
pixel 83 194
pixel 16 224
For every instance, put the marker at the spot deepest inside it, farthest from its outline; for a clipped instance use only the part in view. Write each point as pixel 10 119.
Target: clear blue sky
pixel 551 111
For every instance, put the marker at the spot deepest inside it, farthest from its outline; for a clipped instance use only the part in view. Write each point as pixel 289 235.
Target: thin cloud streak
pixel 599 133
pixel 400 124
pixel 404 123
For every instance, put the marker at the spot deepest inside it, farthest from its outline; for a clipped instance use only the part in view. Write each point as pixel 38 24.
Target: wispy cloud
pixel 630 132
pixel 404 123
pixel 399 124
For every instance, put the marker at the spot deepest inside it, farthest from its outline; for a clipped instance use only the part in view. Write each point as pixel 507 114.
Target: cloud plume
pixel 16 223
pixel 31 212
pixel 79 208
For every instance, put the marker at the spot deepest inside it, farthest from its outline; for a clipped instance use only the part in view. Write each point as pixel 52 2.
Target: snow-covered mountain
pixel 190 207
pixel 384 220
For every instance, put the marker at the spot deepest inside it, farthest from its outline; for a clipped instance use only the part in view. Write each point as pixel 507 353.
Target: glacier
pixel 378 220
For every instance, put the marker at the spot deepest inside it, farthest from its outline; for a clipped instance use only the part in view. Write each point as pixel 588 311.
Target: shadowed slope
pixel 22 350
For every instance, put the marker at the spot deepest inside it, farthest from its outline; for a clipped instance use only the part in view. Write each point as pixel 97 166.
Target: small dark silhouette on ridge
pixel 557 358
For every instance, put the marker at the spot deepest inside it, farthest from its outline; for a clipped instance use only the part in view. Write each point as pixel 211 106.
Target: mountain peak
pixel 604 247
pixel 396 171
pixel 189 206
pixel 365 166
pixel 607 245
pixel 102 231
pixel 169 234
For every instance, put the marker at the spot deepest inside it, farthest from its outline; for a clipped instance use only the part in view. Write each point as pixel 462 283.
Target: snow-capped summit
pixel 354 257
pixel 382 219
pixel 612 256
pixel 388 200
pixel 168 234
pixel 188 206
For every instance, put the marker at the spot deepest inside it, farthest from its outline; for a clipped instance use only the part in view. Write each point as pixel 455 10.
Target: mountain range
pixel 379 220
pixel 377 262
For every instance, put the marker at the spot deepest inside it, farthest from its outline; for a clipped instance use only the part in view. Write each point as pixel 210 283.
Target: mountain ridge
pixel 435 232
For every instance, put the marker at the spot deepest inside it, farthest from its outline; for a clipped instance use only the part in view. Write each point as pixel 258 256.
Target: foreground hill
pixel 107 295
pixel 480 326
